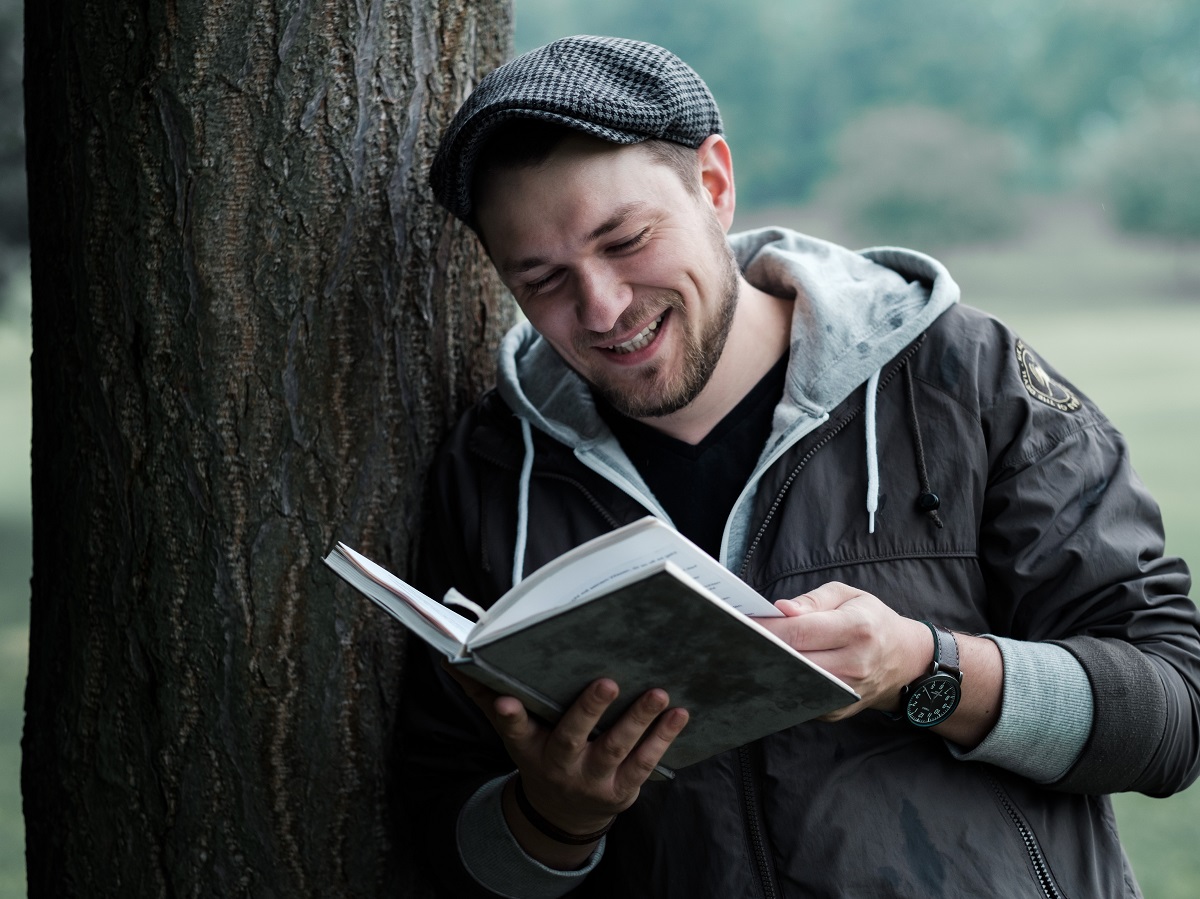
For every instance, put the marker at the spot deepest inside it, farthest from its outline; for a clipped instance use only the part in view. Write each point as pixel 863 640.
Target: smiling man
pixel 624 269
pixel 944 522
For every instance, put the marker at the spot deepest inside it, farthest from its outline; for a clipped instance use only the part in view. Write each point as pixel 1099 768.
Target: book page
pixel 433 622
pixel 596 565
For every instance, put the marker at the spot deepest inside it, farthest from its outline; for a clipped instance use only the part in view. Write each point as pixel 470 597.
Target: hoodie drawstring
pixel 928 502
pixel 523 504
pixel 872 453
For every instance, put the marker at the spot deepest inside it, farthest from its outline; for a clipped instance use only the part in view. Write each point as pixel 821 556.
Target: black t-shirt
pixel 698 485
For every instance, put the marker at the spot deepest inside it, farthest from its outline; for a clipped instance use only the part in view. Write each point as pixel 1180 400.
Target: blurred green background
pixel 1048 153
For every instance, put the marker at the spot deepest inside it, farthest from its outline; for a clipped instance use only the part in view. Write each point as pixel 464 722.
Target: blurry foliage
pixel 922 177
pixel 1150 170
pixel 790 75
pixel 14 209
pixel 793 75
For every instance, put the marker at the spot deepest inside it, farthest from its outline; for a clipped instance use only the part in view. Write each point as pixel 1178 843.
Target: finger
pixel 649 752
pixel 826 630
pixel 570 736
pixel 832 660
pixel 608 751
pixel 514 724
pixel 791 608
pixel 506 714
pixel 827 597
pixel 823 631
pixel 809 633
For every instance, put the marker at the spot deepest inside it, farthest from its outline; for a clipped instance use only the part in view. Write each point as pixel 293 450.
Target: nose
pixel 601 299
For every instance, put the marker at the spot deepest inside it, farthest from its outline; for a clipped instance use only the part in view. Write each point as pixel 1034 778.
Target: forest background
pixel 1049 153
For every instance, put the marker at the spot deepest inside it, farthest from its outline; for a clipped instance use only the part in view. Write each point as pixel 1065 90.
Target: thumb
pixel 825 598
pixel 792 608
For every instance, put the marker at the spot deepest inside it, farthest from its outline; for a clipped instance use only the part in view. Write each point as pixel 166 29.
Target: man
pixel 899 472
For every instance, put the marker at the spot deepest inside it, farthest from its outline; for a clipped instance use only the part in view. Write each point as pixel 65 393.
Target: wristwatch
pixel 931 699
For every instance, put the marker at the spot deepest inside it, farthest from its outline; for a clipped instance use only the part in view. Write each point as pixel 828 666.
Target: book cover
pixel 635 605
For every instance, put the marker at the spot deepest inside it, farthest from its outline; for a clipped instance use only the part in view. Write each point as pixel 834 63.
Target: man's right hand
pixel 577 784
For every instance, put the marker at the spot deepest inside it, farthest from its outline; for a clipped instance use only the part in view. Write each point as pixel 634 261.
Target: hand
pixel 578 784
pixel 856 637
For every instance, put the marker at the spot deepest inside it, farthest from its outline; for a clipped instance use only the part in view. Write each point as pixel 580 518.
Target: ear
pixel 716 177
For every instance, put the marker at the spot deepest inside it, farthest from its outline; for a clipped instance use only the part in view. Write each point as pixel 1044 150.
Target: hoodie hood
pixel 853 312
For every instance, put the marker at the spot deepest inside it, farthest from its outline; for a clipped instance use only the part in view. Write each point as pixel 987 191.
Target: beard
pixel 657 392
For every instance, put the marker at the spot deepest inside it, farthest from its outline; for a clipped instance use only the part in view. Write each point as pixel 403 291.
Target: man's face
pixel 619 266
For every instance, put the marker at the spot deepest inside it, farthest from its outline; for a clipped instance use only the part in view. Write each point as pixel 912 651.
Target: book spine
pixel 537 703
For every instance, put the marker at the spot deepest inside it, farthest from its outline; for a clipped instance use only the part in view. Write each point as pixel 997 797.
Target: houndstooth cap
pixel 616 89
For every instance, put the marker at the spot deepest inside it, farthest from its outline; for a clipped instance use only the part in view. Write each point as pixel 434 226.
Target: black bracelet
pixel 550 830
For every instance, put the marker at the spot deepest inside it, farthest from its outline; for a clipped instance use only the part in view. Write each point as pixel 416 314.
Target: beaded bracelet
pixel 550 830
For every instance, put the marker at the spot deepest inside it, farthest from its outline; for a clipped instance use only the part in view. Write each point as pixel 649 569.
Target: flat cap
pixel 616 89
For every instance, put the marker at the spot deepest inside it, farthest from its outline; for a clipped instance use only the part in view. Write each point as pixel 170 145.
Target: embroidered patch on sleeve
pixel 1039 383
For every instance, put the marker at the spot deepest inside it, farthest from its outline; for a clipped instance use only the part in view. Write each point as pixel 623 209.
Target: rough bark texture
pixel 251 326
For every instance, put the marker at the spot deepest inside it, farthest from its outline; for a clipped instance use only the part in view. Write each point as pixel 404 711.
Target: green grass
pixel 1119 318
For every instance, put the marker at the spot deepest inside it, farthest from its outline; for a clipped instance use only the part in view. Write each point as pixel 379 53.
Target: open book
pixel 642 605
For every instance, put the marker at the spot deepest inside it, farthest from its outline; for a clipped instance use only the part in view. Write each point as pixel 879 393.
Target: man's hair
pixel 527 143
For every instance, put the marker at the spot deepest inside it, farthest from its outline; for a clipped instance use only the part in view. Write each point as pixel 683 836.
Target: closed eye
pixel 633 243
pixel 533 288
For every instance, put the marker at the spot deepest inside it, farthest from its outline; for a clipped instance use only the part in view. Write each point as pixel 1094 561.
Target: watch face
pixel 932 700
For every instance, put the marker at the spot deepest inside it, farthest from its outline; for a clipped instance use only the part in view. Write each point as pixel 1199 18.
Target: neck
pixel 760 334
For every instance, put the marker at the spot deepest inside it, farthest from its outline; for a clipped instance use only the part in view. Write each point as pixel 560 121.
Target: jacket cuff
pixel 494 858
pixel 1131 715
pixel 1046 714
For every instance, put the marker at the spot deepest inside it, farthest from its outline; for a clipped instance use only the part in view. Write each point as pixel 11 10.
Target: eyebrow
pixel 612 223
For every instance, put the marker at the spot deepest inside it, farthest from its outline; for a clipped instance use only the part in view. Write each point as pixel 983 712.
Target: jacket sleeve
pixel 1072 546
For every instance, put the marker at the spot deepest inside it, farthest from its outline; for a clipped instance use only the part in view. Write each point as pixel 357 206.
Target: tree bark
pixel 251 325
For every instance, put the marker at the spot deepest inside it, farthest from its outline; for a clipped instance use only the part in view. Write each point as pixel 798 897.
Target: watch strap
pixel 945 650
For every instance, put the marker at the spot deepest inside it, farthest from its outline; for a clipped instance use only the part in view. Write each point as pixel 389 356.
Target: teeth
pixel 638 340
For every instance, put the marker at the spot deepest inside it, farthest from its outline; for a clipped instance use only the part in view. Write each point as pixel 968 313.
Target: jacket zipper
pixel 595 503
pixel 1040 868
pixel 850 415
pixel 753 813
pixel 758 843
pixel 767 519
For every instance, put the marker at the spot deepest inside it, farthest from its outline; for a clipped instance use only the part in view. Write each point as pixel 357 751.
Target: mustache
pixel 637 314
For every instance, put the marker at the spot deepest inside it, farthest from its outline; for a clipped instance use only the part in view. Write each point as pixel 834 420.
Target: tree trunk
pixel 251 325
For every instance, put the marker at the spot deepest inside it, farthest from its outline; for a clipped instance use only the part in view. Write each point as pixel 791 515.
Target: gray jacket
pixel 1043 537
